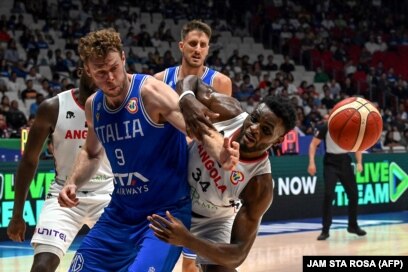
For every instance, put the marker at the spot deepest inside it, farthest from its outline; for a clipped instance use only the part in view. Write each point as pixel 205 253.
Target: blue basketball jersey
pixel 171 73
pixel 148 160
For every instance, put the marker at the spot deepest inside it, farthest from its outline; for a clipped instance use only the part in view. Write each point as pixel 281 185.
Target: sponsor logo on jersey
pixel 77 263
pixel 70 115
pixel 132 105
pixel 130 183
pixel 201 203
pixel 51 232
pixel 236 177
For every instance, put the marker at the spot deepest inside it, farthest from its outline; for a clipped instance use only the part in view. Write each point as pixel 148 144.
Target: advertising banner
pixel 382 187
pixel 35 199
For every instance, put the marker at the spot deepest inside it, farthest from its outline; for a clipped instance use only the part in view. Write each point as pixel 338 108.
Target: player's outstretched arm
pixel 159 75
pixel 42 127
pixel 257 197
pixel 226 107
pixel 86 163
pixel 162 105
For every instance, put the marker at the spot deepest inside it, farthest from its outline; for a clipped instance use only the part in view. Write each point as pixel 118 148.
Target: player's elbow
pixel 237 260
pixel 236 263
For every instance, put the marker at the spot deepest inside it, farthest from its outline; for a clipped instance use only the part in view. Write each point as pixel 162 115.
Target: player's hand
pixel 67 196
pixel 170 230
pixel 16 229
pixel 359 167
pixel 229 155
pixel 311 169
pixel 197 117
pixel 189 82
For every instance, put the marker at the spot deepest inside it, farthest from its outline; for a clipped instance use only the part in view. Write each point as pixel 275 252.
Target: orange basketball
pixel 355 124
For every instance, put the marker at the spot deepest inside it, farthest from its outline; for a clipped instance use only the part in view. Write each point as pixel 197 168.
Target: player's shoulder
pixel 221 77
pixel 90 99
pixel 222 83
pixel 48 111
pixel 152 83
pixel 260 188
pixel 50 104
pixel 160 75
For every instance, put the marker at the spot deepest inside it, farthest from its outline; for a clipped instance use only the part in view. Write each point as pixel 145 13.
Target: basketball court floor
pixel 280 246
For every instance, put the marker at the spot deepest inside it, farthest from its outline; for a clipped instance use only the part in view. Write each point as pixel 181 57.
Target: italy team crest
pixel 132 105
pixel 236 177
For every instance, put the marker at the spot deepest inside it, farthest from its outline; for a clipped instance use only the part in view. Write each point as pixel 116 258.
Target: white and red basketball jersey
pixel 215 191
pixel 68 137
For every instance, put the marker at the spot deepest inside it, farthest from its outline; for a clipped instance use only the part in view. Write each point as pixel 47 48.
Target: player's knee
pixel 43 267
pixel 45 262
pixel 189 265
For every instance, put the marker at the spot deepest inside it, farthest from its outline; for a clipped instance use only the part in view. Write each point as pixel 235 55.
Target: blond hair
pixel 196 25
pixel 98 44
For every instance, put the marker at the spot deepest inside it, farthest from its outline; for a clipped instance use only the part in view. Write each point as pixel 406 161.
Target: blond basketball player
pixel 136 119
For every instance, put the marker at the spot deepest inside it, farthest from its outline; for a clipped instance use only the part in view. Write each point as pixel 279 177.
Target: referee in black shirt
pixel 336 167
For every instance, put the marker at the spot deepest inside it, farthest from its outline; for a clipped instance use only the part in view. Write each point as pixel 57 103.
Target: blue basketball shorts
pixel 112 245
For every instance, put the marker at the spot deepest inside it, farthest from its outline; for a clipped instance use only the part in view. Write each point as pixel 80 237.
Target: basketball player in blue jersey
pixel 228 205
pixel 61 118
pixel 137 121
pixel 194 46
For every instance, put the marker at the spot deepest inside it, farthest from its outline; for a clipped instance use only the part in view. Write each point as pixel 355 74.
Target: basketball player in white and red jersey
pixel 63 119
pixel 194 47
pixel 228 205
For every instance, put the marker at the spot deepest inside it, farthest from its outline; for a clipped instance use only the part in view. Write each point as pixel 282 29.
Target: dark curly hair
pixel 283 108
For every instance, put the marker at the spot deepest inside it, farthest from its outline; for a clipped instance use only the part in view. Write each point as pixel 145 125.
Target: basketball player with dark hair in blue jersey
pixel 136 119
pixel 194 46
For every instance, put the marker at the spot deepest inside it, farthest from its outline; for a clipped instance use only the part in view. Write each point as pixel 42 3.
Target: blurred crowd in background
pixel 315 52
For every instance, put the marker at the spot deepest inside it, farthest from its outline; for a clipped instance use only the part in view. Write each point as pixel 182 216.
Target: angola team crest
pixel 236 177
